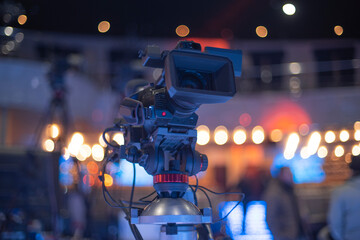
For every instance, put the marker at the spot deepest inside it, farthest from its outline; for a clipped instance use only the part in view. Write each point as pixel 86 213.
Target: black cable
pixel 111 129
pixel 142 199
pixel 219 220
pixel 201 188
pixel 207 196
pixel 120 204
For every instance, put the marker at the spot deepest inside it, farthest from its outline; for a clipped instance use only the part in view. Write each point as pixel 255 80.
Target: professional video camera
pixel 158 124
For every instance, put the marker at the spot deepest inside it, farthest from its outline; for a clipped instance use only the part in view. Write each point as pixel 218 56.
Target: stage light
pixel 355 150
pixel 339 151
pixel 182 31
pixel 261 31
pixel 314 142
pixel 101 140
pixel 344 136
pixel 203 135
pixel 22 19
pixel 289 9
pixel 330 137
pixel 276 135
pixel 220 135
pixel 322 152
pixel 338 30
pixel 119 138
pixel 258 135
pixel 295 68
pixel 104 26
pixel 291 146
pixel 49 145
pixel 239 136
pixel 8 31
pixel 97 152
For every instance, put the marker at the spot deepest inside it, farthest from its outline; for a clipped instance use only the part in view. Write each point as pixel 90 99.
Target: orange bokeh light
pixel 89 180
pixel 182 31
pixel 92 167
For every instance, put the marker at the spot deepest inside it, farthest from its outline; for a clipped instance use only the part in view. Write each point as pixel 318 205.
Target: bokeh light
pixel 339 151
pixel 22 19
pixel 220 135
pixel 304 129
pixel 258 135
pixel 314 142
pixel 19 37
pixel 304 152
pixel 295 68
pixel 245 119
pixel 119 138
pixel 48 145
pixel 53 130
pixel 104 26
pixel 92 167
pixel 85 150
pixel 357 135
pixel 261 31
pixel 357 125
pixel 291 146
pixel 108 180
pixel 355 150
pixel 330 137
pixel 338 30
pixel 239 135
pixel 289 9
pixel 276 135
pixel 322 152
pixel 182 31
pixel 101 140
pixel 77 138
pixel 97 152
pixel 89 180
pixel 8 31
pixel 344 135
pixel 203 135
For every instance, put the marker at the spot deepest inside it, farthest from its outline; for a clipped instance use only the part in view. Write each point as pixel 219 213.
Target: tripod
pixel 57 105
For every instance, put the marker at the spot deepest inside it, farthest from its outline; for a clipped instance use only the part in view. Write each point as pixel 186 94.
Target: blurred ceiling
pixel 206 18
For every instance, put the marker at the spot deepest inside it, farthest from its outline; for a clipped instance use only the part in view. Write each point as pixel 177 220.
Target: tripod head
pixel 158 123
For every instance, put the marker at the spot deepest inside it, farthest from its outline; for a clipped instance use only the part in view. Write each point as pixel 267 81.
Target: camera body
pixel 159 123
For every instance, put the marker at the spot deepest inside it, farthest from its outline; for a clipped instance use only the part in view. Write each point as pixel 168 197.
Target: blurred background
pixel 66 65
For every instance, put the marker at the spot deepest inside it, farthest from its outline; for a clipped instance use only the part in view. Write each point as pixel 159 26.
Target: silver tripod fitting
pixel 177 216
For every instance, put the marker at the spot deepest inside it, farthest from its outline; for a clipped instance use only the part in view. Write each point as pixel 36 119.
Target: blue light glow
pixel 66 179
pixel 255 228
pixel 124 175
pixel 234 223
pixel 255 219
pixel 304 170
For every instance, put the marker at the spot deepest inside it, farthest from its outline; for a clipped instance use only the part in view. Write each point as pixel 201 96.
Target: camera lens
pixel 194 79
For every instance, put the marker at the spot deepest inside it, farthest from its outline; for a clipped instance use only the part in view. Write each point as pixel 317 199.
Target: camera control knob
pixel 204 162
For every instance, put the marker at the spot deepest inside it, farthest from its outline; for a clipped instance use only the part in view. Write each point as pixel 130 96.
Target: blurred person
pixel 344 210
pixel 283 215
